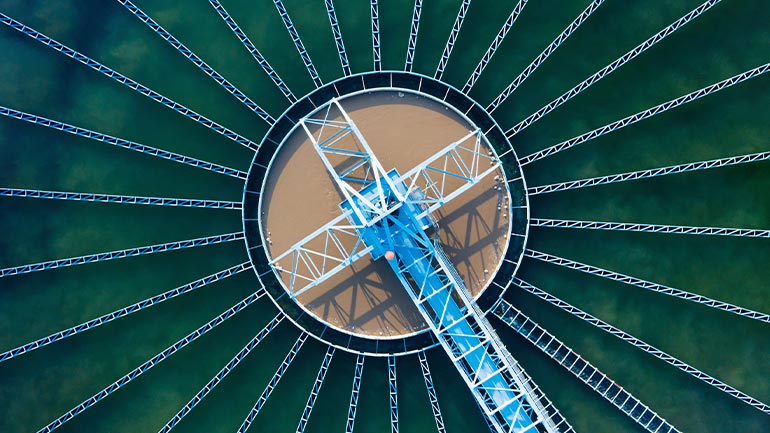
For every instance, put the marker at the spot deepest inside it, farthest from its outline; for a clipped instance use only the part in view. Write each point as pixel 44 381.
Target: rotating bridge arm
pixel 449 172
pixel 320 255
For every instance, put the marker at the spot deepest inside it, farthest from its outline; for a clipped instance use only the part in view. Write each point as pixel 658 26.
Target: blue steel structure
pixel 390 214
pixel 582 369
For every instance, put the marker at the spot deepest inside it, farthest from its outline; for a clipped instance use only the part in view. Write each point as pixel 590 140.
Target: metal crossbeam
pixel 117 314
pixel 120 254
pixel 622 60
pixel 130 145
pixel 197 61
pixel 654 172
pixel 338 37
pixel 661 108
pixel 298 43
pixel 320 255
pixel 563 36
pixel 122 79
pixel 580 368
pixel 319 380
pixel 431 392
pixel 494 46
pixel 649 228
pixel 628 338
pixel 123 199
pixel 253 51
pixel 393 394
pixel 359 371
pixel 273 383
pixel 222 373
pixel 450 43
pixel 633 281
pixel 376 54
pixel 413 31
pixel 157 359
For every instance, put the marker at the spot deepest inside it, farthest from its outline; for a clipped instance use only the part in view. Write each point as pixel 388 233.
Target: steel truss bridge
pixel 386 213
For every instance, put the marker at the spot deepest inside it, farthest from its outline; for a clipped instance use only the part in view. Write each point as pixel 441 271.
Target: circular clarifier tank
pixel 403 129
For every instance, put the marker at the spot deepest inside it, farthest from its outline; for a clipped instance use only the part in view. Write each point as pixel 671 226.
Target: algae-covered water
pixel 38 387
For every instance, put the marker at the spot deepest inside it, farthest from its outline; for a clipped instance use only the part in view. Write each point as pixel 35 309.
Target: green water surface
pixel 38 387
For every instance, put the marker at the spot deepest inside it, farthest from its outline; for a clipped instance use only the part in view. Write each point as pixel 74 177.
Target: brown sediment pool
pixel 403 129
